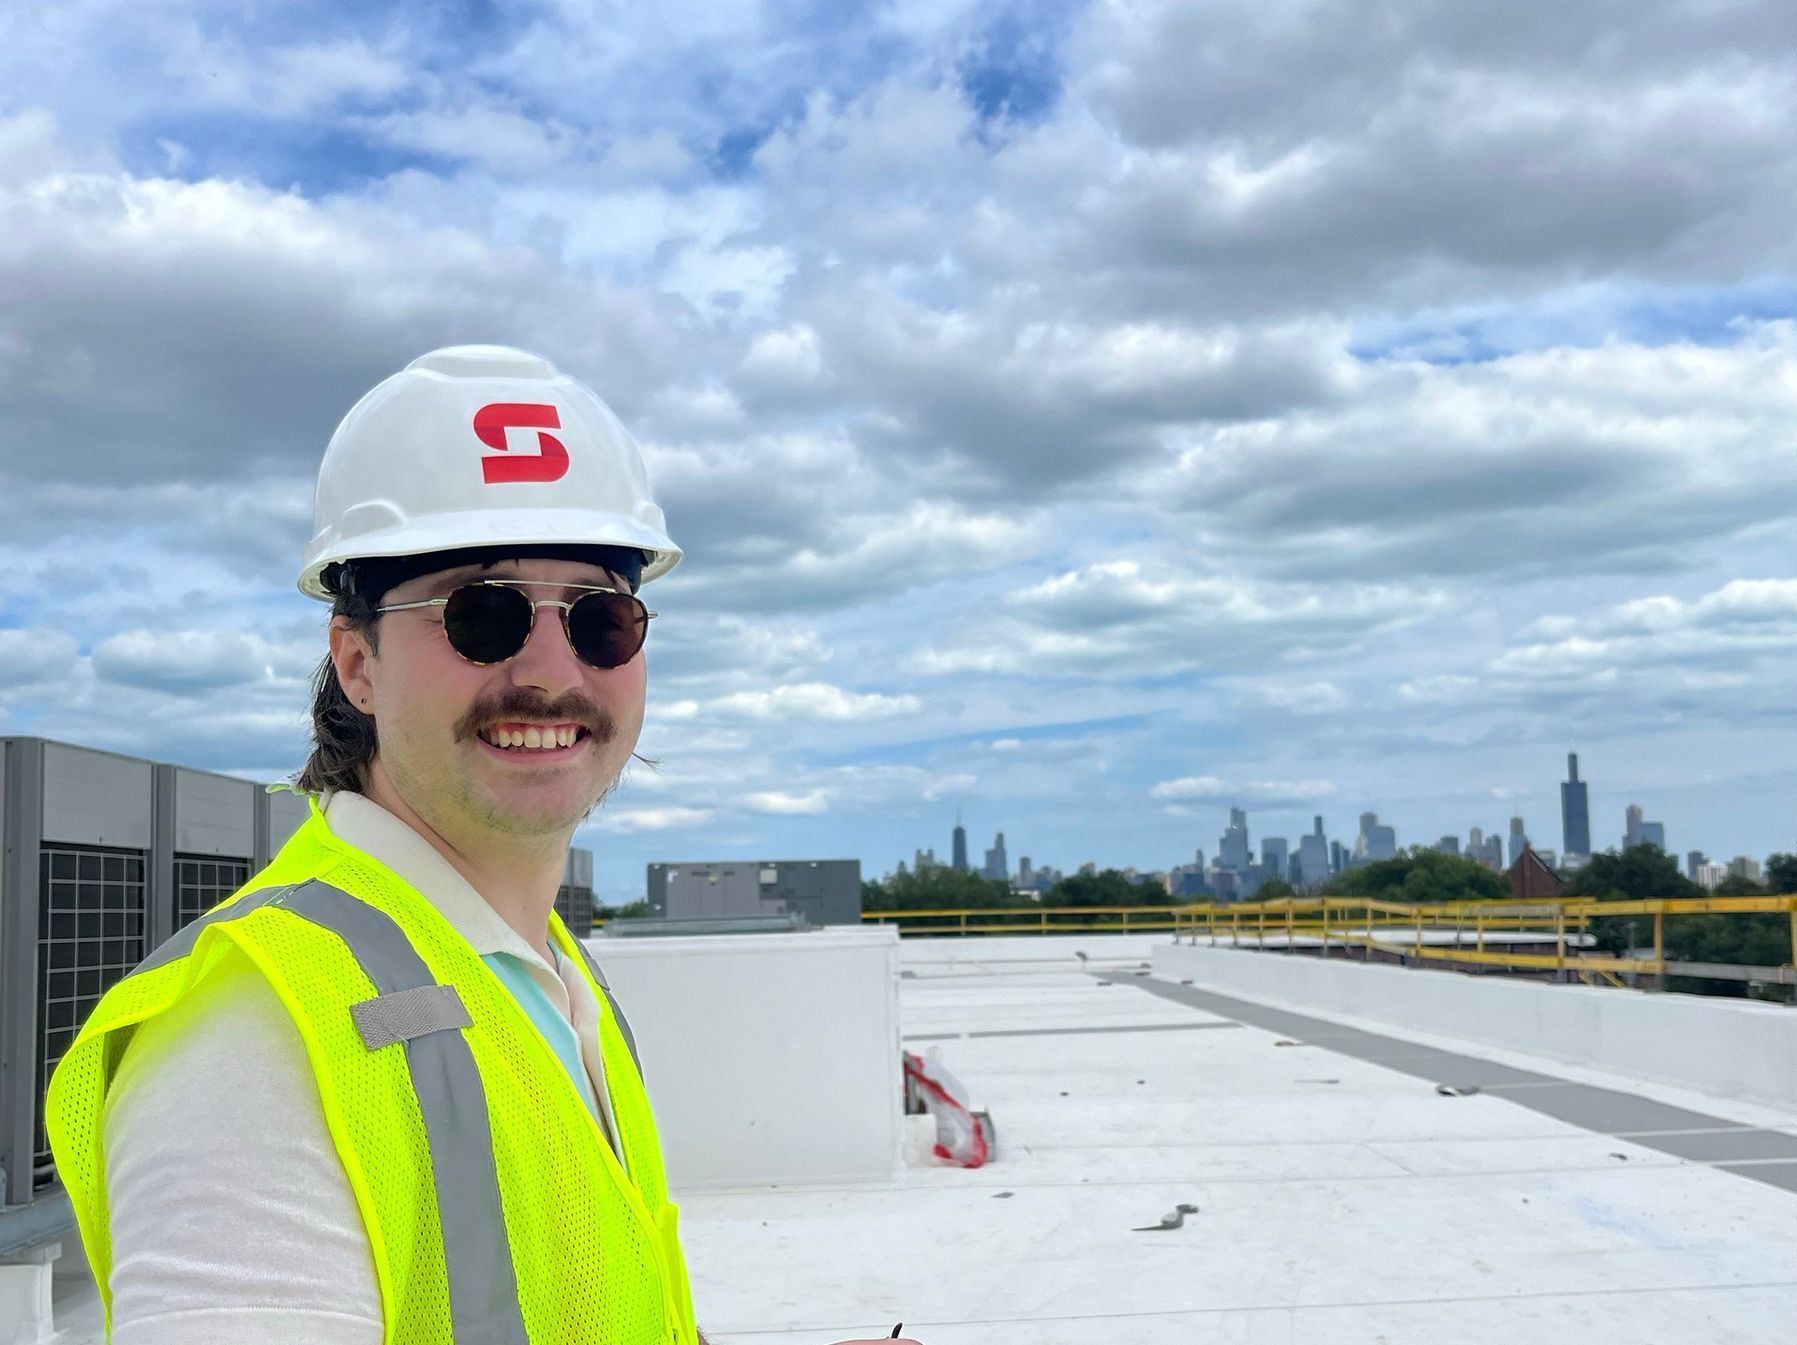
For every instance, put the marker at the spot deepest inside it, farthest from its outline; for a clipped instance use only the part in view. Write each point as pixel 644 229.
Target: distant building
pixel 824 891
pixel 1654 834
pixel 1533 879
pixel 1338 857
pixel 1186 882
pixel 1376 840
pixel 1631 832
pixel 1274 858
pixel 1575 810
pixel 924 859
pixel 574 898
pixel 1088 870
pixel 1448 845
pixel 997 867
pixel 1313 859
pixel 1519 840
pixel 1233 849
pixel 1743 867
pixel 959 852
pixel 1025 872
pixel 1694 860
pixel 1486 850
pixel 1709 876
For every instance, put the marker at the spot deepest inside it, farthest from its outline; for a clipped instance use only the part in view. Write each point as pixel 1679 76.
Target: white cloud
pixel 29 657
pixel 1211 788
pixel 782 804
pixel 1303 698
pixel 812 700
pixel 1130 618
pixel 670 818
pixel 190 661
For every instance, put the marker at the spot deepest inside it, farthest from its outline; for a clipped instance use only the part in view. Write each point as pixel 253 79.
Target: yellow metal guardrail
pixel 1455 932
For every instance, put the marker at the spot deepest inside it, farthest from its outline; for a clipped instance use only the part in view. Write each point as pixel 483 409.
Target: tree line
pixel 1426 876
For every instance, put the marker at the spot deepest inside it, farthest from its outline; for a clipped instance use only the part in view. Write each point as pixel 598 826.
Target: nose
pixel 547 661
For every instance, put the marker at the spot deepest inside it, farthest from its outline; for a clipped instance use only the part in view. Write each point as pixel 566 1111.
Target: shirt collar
pixel 358 820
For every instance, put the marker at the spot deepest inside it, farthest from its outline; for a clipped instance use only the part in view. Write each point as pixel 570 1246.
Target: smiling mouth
pixel 525 739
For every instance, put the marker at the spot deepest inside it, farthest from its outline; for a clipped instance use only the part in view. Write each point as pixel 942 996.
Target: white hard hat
pixel 478 446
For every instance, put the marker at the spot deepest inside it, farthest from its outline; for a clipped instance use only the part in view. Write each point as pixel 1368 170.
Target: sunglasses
pixel 489 620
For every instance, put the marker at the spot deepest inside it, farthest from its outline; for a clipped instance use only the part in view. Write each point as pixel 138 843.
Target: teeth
pixel 534 737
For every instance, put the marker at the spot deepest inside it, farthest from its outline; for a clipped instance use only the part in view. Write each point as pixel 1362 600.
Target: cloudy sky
pixel 1086 416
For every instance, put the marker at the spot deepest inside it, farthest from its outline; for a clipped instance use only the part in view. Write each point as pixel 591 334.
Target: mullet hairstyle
pixel 343 738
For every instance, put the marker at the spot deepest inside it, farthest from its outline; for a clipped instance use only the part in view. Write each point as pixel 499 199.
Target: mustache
pixel 519 703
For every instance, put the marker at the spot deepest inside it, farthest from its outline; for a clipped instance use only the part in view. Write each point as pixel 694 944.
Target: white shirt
pixel 232 1219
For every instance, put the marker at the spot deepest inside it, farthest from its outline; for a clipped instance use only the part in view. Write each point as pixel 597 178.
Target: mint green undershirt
pixel 541 1011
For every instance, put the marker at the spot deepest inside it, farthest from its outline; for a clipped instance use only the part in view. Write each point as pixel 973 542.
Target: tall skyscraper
pixel 1313 859
pixel 1233 850
pixel 1275 857
pixel 1631 834
pixel 1518 839
pixel 959 856
pixel 1654 834
pixel 1575 812
pixel 998 865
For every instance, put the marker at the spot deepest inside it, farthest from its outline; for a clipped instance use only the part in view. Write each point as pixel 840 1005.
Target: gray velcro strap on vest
pixel 406 1015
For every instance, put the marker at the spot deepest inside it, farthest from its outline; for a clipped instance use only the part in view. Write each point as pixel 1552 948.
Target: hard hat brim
pixel 489 528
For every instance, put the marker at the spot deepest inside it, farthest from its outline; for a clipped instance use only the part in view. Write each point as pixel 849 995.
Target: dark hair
pixel 343 738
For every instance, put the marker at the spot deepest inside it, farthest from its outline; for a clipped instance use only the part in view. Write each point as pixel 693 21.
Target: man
pixel 381 1094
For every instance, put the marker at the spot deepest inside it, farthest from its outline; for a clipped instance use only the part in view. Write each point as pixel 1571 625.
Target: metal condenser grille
pixel 201 882
pixel 91 925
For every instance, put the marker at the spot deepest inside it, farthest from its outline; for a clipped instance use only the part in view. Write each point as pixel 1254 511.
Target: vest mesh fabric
pixel 595 1251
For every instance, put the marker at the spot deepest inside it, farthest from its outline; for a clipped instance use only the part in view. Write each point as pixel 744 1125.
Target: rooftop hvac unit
pixel 74 919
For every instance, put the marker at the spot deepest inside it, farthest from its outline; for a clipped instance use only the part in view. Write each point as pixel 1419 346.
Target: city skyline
pixel 1235 849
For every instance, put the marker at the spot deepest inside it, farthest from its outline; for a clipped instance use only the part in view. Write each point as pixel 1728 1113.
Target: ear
pixel 351 656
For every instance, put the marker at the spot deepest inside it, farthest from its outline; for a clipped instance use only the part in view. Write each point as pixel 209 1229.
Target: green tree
pixel 1422 875
pixel 1274 889
pixel 1781 873
pixel 1736 886
pixel 1639 873
pixel 1107 888
pixel 937 888
pixel 1754 940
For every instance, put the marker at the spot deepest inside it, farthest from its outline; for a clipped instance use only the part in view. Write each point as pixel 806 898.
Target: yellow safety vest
pixel 497 1212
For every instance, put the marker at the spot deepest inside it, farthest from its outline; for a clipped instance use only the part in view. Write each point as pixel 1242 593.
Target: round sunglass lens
pixel 607 629
pixel 486 623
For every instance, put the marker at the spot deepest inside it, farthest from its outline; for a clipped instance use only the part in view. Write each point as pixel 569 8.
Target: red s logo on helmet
pixel 548 463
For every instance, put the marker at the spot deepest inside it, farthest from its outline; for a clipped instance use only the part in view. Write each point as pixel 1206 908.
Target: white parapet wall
pixel 770 1058
pixel 1724 1047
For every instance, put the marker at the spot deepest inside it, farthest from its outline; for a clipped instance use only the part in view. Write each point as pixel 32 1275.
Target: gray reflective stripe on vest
pixel 483 1287
pixel 612 1000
